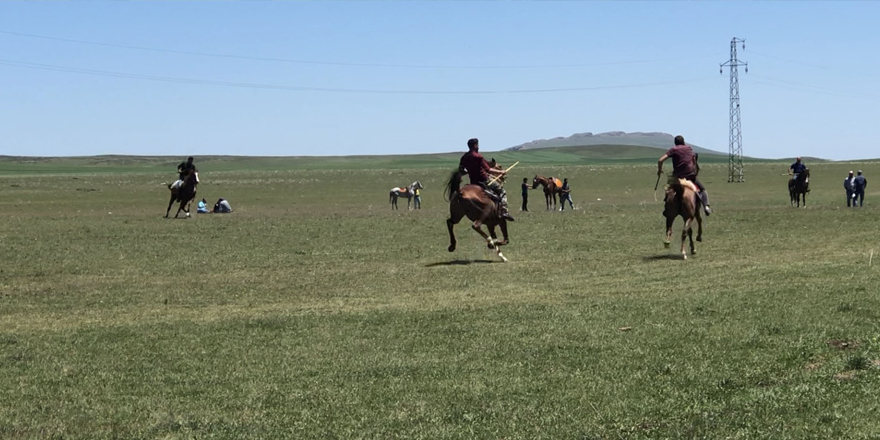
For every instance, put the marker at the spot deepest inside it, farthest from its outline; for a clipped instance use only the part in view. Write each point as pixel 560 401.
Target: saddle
pixel 492 195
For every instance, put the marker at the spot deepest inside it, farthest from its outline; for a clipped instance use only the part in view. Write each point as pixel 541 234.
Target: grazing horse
pixel 682 200
pixel 473 202
pixel 185 194
pixel 798 188
pixel 552 187
pixel 407 192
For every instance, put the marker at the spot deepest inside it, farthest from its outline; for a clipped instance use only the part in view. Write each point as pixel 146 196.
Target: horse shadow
pixel 460 263
pixel 661 257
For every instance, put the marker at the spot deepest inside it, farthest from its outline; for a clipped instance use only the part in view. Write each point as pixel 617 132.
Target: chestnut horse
pixel 552 187
pixel 797 189
pixel 473 202
pixel 682 201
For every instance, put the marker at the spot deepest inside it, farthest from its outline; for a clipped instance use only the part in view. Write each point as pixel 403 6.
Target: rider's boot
pixel 704 197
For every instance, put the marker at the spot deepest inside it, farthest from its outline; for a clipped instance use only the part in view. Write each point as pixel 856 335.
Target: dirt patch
pixel 876 362
pixel 846 375
pixel 813 366
pixel 842 344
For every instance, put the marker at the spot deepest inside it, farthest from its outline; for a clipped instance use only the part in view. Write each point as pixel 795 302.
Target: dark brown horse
pixel 552 187
pixel 797 188
pixel 185 194
pixel 471 201
pixel 682 201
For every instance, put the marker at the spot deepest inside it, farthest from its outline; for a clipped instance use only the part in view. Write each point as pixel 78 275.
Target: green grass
pixel 567 156
pixel 314 311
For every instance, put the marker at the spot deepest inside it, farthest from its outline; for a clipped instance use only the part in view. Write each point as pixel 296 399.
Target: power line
pixel 816 66
pixel 340 63
pixel 326 89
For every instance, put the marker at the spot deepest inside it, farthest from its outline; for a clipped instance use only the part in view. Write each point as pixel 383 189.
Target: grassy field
pixel 589 155
pixel 314 311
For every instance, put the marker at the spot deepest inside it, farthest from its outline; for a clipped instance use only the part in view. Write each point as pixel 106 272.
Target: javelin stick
pixel 494 179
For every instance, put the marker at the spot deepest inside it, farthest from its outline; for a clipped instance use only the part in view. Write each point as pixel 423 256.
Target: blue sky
pixel 635 66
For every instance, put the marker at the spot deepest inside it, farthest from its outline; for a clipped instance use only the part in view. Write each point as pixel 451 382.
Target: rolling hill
pixel 653 139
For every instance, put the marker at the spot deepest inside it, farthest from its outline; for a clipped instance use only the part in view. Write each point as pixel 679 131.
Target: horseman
pixel 183 170
pixel 794 170
pixel 478 170
pixel 684 166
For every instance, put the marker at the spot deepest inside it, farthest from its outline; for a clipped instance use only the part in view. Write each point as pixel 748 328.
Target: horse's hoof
pixel 700 239
pixel 451 248
pixel 666 244
pixel 684 256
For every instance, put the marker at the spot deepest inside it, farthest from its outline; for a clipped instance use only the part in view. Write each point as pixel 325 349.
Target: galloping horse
pixel 407 192
pixel 798 188
pixel 552 187
pixel 682 200
pixel 473 202
pixel 185 194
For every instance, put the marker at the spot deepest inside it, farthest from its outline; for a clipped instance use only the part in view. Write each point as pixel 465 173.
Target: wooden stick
pixel 871 258
pixel 493 180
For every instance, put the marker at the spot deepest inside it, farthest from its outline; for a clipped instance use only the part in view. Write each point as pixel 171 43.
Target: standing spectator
pixel 859 185
pixel 565 194
pixel 848 186
pixel 525 194
pixel 417 198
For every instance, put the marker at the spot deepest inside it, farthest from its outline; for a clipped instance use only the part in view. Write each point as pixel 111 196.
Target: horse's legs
pixel 497 244
pixel 684 234
pixel 691 238
pixel 670 219
pixel 479 230
pixel 699 226
pixel 454 217
pixel 504 233
pixel 167 211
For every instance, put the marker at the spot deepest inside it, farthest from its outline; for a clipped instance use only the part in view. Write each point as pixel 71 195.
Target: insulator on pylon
pixel 747 69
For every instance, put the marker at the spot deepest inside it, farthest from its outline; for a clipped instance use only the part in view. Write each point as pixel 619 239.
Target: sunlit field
pixel 315 311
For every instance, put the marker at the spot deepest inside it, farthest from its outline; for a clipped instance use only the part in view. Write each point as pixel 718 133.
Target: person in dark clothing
pixel 182 171
pixel 859 185
pixel 565 194
pixel 525 194
pixel 794 170
pixel 848 186
pixel 478 170
pixel 684 166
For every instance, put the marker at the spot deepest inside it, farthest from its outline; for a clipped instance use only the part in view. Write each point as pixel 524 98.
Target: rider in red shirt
pixel 684 166
pixel 478 170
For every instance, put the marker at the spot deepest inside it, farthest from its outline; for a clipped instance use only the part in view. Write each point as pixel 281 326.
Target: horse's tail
pixel 452 185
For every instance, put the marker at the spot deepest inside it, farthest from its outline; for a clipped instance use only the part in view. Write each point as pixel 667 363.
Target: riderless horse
pixel 185 194
pixel 682 200
pixel 552 187
pixel 798 188
pixel 475 203
pixel 408 192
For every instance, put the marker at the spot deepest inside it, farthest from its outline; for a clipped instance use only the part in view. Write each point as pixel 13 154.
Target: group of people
pixel 855 189
pixel 564 194
pixel 184 169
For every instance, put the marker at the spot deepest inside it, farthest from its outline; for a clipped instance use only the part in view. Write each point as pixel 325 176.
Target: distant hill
pixel 654 139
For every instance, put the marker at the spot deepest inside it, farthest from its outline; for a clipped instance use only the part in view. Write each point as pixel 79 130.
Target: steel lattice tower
pixel 735 172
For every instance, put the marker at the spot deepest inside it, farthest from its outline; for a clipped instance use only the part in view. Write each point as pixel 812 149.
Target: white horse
pixel 407 192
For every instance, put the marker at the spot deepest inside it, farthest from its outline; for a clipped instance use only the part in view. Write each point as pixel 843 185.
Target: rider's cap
pixel 860 171
pixel 851 172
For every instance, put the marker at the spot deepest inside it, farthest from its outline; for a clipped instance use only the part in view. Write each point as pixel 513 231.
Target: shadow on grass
pixel 460 263
pixel 662 257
